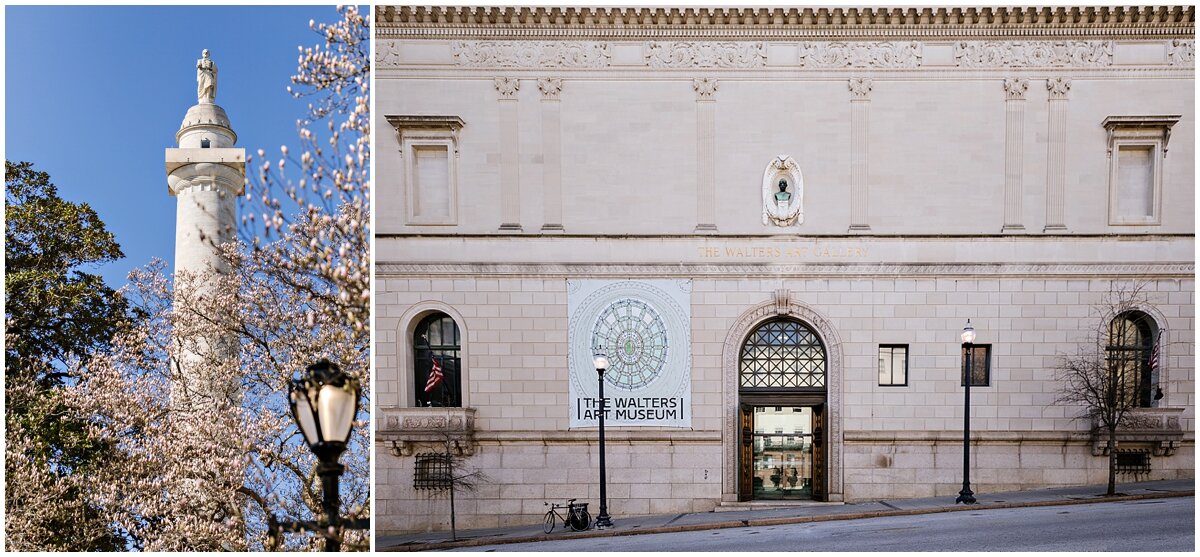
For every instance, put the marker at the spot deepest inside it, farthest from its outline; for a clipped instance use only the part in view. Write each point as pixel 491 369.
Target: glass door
pixel 781 465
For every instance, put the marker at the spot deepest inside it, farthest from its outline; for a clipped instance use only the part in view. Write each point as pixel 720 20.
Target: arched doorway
pixel 781 413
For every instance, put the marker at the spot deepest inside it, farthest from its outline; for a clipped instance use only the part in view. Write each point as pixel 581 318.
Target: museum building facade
pixel 774 223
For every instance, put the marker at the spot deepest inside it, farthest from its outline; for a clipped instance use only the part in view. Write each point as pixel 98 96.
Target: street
pixel 1145 525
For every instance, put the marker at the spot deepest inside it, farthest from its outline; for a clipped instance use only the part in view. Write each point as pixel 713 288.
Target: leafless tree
pixel 1105 380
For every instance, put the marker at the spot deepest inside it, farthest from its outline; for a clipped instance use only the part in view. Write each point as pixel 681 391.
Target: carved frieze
pixel 1058 87
pixel 706 54
pixel 1033 54
pixel 550 87
pixel 1014 88
pixel 902 54
pixel 387 53
pixel 860 88
pixel 507 87
pixel 530 54
pixel 1181 52
pixel 406 429
pixel 705 88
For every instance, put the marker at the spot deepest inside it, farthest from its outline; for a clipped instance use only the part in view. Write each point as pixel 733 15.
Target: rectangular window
pixel 981 368
pixel 431 182
pixel 893 365
pixel 1137 150
pixel 1135 182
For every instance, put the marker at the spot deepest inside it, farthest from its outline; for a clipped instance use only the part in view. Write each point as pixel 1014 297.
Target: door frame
pixel 731 444
pixel 745 438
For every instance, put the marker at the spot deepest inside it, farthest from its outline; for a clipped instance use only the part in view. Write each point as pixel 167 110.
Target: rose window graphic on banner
pixel 644 327
pixel 634 337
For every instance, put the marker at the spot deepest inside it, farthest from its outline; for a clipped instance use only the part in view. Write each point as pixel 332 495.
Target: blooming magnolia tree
pixel 205 459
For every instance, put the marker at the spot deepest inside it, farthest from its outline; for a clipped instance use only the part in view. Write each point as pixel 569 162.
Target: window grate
pixel 432 471
pixel 1133 461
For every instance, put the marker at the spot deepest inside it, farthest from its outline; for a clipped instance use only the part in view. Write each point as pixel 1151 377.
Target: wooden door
pixel 745 452
pixel 819 481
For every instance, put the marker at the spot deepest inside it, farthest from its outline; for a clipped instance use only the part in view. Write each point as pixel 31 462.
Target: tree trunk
pixel 454 533
pixel 1112 461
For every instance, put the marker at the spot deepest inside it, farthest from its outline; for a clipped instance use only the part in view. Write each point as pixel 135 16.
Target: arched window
pixel 782 354
pixel 436 353
pixel 1131 356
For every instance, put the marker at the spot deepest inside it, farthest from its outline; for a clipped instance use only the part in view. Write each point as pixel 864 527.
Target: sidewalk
pixel 632 525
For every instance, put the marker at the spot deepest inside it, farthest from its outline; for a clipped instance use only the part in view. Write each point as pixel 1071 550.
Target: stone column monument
pixel 205 173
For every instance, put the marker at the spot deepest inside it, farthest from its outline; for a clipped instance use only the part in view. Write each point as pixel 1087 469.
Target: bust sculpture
pixel 782 196
pixel 206 79
pixel 781 207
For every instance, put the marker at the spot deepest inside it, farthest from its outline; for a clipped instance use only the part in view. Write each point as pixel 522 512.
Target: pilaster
pixel 1014 152
pixel 510 185
pixel 1056 157
pixel 551 88
pixel 860 129
pixel 706 153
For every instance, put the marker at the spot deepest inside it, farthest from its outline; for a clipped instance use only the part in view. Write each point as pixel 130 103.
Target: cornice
pixel 1158 270
pixel 782 23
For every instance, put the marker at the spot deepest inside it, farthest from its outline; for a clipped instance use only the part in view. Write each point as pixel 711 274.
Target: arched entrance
pixel 781 411
pixel 782 395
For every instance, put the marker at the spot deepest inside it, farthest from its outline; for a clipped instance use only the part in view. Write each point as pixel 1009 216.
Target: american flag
pixel 1154 352
pixel 435 376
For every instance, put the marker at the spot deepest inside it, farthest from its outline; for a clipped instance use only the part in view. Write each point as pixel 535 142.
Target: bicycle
pixel 577 517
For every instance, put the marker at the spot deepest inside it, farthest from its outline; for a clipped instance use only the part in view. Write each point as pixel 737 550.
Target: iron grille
pixel 783 354
pixel 432 471
pixel 1133 461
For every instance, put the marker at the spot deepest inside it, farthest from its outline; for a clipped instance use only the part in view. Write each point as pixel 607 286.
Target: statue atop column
pixel 206 79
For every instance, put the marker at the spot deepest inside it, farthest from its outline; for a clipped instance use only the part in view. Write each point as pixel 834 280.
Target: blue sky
pixel 94 94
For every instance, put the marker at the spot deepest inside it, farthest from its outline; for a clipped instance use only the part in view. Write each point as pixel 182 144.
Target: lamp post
pixel 603 521
pixel 324 402
pixel 966 496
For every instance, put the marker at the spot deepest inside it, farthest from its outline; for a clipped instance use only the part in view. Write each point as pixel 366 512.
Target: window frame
pixel 452 380
pixel 417 132
pixel 879 372
pixel 962 369
pixel 1137 132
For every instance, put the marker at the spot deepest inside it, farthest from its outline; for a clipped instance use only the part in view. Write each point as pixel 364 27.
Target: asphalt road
pixel 1146 525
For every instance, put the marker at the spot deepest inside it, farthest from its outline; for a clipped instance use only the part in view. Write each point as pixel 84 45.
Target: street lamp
pixel 603 521
pixel 966 496
pixel 324 402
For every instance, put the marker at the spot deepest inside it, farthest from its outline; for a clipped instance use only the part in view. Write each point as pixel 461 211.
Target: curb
pixel 775 521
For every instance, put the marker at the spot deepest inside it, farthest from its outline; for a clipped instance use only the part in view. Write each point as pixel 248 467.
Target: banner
pixel 644 327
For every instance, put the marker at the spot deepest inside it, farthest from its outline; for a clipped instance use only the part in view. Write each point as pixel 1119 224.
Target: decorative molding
pixel 1181 52
pixel 1058 87
pixel 1014 88
pixel 405 429
pixel 789 210
pixel 530 54
pixel 1161 427
pixel 782 302
pixel 550 87
pixel 816 22
pixel 705 88
pixel 387 54
pixel 860 88
pixel 1106 270
pixel 746 323
pixel 1033 54
pixel 705 54
pixel 861 54
pixel 1141 127
pixel 507 87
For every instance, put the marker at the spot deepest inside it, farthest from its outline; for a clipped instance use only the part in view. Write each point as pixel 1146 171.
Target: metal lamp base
pixel 603 522
pixel 966 496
